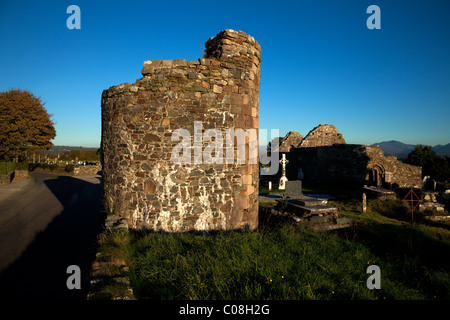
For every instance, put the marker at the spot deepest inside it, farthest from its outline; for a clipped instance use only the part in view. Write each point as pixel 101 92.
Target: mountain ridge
pixel 400 149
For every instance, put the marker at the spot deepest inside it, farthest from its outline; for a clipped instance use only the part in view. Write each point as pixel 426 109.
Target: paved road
pixel 47 223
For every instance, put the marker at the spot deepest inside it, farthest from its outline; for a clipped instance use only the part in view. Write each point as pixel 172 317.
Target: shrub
pixel 7 166
pixel 43 165
pixel 22 165
pixel 69 168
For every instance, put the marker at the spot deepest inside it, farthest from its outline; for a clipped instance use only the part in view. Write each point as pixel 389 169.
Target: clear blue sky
pixel 320 63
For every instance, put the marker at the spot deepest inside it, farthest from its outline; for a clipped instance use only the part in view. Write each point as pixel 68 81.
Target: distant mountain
pixel 442 150
pixel 395 148
pixel 401 150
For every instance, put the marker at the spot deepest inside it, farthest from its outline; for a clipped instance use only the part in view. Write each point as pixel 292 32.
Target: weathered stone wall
pixel 392 170
pixel 291 140
pixel 87 169
pixel 322 135
pixel 351 164
pixel 20 174
pixel 6 178
pixel 141 181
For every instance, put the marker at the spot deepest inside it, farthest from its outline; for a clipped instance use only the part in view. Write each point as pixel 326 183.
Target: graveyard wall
pixel 6 178
pixel 87 169
pixel 140 179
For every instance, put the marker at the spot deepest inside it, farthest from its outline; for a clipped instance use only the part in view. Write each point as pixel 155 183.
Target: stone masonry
pixel 141 181
pixel 291 140
pixel 322 135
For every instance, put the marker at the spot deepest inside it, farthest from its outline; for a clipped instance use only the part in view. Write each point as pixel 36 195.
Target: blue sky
pixel 320 63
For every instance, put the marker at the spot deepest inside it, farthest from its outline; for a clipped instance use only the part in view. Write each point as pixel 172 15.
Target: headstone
pixel 283 179
pixel 293 189
pixel 282 184
pixel 300 175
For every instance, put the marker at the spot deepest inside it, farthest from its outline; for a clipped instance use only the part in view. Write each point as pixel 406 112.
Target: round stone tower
pixel 180 145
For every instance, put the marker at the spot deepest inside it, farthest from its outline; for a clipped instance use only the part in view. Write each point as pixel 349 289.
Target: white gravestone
pixel 283 179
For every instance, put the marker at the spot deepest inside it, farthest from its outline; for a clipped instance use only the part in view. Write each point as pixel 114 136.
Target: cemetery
pixel 150 175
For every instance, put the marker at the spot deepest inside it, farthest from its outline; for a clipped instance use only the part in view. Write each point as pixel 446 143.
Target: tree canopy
pixel 25 124
pixel 433 165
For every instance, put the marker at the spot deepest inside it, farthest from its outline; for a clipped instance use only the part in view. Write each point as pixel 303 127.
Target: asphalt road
pixel 47 223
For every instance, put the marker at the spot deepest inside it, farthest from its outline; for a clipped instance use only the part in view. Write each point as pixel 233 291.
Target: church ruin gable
pixel 322 135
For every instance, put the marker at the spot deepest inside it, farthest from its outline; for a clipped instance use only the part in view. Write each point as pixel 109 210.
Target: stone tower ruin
pixel 141 181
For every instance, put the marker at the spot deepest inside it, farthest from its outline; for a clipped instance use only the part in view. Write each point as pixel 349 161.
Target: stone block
pixel 242 202
pixel 293 189
pixel 247 179
pixel 205 62
pixel 180 63
pixel 150 137
pixel 149 186
pixel 217 89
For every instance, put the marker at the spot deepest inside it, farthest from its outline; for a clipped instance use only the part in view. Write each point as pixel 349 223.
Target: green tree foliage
pixel 25 125
pixel 432 164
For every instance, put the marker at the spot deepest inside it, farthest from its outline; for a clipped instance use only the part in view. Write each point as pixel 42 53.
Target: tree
pixel 432 164
pixel 25 125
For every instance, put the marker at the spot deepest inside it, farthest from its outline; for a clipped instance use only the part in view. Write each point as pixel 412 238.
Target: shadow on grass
pixel 408 255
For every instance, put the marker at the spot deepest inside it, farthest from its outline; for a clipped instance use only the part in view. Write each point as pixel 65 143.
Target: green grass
pixel 280 264
pixel 330 188
pixel 307 187
pixel 264 187
pixel 294 263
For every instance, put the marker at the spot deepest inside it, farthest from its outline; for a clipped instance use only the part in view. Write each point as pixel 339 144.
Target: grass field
pixel 292 262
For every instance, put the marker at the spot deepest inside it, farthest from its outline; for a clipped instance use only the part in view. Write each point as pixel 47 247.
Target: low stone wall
pixel 20 174
pixel 6 178
pixel 82 170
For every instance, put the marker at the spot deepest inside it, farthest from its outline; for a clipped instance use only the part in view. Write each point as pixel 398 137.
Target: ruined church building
pixel 323 156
